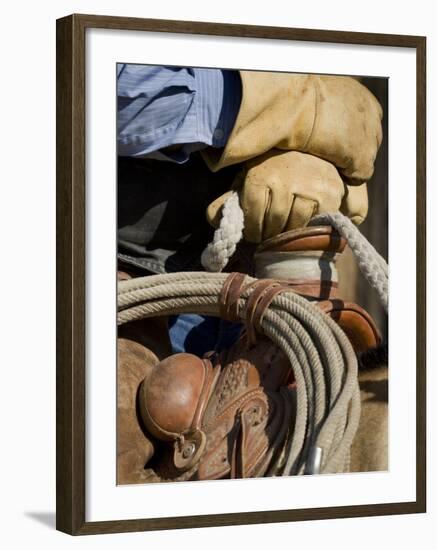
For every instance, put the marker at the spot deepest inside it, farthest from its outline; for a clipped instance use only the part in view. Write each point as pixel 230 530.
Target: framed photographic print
pixel 240 274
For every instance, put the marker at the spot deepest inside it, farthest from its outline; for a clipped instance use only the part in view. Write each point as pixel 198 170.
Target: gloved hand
pixel 355 203
pixel 279 191
pixel 332 117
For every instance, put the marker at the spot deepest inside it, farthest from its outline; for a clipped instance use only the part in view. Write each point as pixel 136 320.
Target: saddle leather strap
pixel 316 237
pixel 260 289
pixel 234 287
pixel 264 303
pixel 229 296
pixel 356 322
pixel 264 291
pixel 238 458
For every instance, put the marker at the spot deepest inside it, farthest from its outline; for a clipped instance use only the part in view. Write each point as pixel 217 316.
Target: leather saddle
pixel 232 415
pixel 220 416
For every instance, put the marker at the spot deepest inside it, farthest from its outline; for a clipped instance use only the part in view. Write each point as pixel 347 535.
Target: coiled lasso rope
pixel 373 266
pixel 322 358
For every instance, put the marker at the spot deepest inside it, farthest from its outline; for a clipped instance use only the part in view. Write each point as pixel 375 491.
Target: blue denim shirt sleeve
pixel 161 106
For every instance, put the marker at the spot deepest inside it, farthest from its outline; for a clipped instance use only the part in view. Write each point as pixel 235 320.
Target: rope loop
pixel 321 356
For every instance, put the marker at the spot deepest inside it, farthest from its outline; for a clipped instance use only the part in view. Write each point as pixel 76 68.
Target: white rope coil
pixel 230 232
pixel 322 358
pixel 372 265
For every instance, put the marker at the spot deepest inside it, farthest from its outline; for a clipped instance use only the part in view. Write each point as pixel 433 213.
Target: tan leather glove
pixel 279 191
pixel 355 203
pixel 333 117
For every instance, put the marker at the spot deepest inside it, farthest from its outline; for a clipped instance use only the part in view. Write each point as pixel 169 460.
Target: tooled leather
pixel 272 367
pixel 245 422
pixel 251 455
pixel 244 441
pixel 263 442
pixel 224 439
pixel 228 388
pixel 239 396
pixel 245 456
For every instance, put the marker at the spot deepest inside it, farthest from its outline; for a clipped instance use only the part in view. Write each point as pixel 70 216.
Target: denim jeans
pixel 198 334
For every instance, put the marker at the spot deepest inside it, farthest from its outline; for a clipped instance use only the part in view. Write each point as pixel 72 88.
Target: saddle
pixel 220 416
pixel 232 415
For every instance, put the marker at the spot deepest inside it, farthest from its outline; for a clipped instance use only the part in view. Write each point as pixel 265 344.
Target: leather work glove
pixel 335 118
pixel 355 203
pixel 280 191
